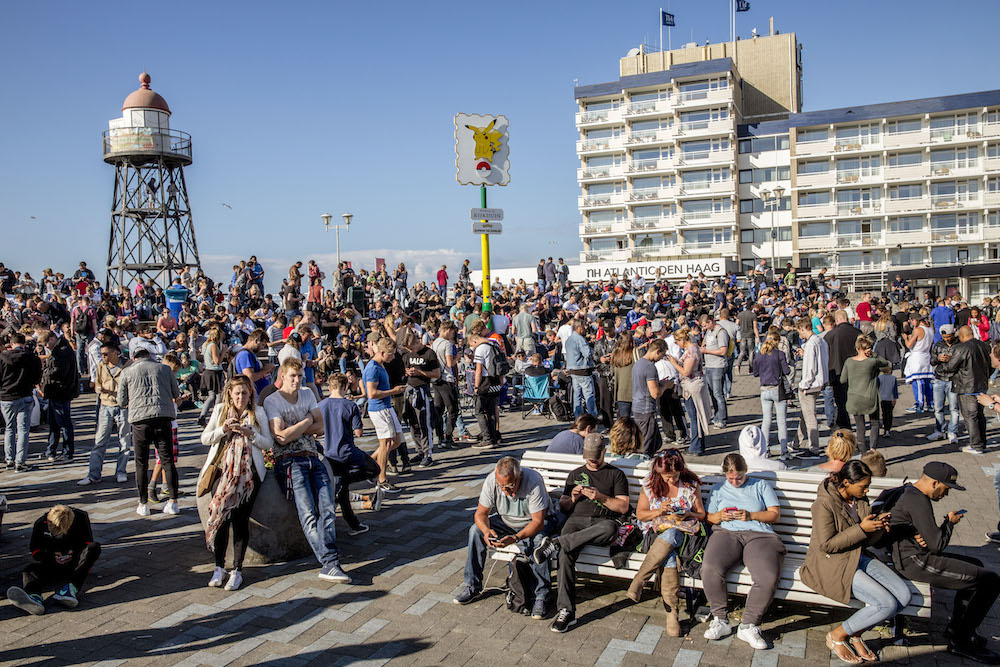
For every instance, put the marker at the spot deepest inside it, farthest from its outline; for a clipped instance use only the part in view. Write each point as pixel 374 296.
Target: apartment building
pixel 702 156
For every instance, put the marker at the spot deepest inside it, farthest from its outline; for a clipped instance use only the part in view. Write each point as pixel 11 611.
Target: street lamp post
pixel 772 201
pixel 346 226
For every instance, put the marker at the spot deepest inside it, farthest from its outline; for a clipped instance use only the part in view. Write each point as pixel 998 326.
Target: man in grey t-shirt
pixel 514 509
pixel 715 348
pixel 646 390
pixel 525 326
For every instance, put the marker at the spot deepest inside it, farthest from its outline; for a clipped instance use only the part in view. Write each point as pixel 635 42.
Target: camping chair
pixel 536 392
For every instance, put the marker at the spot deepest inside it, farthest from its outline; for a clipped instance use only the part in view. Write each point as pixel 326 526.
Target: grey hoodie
pixel 147 388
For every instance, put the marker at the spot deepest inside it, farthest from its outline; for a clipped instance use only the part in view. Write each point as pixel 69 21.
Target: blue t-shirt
pixel 246 359
pixel 941 315
pixel 308 352
pixel 755 495
pixel 566 442
pixel 340 418
pixel 375 372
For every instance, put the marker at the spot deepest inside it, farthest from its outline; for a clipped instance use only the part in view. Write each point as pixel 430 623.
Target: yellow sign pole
pixel 485 248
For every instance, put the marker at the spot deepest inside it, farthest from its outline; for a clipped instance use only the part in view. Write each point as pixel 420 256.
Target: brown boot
pixel 670 583
pixel 655 557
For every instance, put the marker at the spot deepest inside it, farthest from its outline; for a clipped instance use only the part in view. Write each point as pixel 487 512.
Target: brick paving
pixel 147 601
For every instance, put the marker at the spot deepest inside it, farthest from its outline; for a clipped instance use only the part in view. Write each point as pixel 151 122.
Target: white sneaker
pixel 121 478
pixel 936 435
pixel 218 577
pixel 171 507
pixel 718 629
pixel 86 481
pixel 142 509
pixel 953 438
pixel 235 580
pixel 751 635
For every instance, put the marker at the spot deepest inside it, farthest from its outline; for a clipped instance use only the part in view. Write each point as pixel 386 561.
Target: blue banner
pixel 742 5
pixel 668 19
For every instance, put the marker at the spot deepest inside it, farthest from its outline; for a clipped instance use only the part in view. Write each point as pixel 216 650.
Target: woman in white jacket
pixel 237 433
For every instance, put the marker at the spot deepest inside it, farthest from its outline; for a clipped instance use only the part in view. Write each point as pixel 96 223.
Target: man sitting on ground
pixel 595 497
pixel 513 508
pixel 571 440
pixel 64 549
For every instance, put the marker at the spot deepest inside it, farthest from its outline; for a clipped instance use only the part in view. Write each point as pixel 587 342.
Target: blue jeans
pixel 697 445
pixel 312 490
pixel 60 427
pixel 476 558
pixel 942 388
pixel 17 417
pixel 82 340
pixel 583 395
pixel 675 538
pixel 883 591
pixel 769 399
pixel 829 407
pixel 715 377
pixel 727 386
pixel 110 417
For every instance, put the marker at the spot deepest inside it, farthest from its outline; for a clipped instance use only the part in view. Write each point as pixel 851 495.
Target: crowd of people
pixel 282 382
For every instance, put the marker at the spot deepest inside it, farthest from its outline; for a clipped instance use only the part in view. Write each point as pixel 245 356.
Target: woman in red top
pixel 980 325
pixel 315 283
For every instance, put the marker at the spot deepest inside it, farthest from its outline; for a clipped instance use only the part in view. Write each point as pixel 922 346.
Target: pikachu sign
pixel 482 155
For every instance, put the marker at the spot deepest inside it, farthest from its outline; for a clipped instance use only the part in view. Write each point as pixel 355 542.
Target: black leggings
pixel 349 474
pixel 155 432
pixel 239 519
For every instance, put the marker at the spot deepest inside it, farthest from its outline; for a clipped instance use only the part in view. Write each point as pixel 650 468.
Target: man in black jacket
pixel 841 342
pixel 20 371
pixel 60 385
pixel 943 392
pixel 917 544
pixel 63 548
pixel 970 370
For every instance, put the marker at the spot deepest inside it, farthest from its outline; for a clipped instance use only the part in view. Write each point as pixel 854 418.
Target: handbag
pixel 784 389
pixel 212 472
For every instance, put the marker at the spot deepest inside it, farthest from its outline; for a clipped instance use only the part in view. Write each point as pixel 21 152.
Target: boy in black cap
pixel 917 546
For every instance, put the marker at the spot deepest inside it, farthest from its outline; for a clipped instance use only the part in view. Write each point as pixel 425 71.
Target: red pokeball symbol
pixel 484 168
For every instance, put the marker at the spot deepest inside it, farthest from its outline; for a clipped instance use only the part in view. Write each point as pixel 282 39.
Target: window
pixel 814 260
pixel 603 189
pixel 819 134
pixel 907 223
pixel 747 235
pixel 814 198
pixel 644 125
pixel 914 191
pixel 902 126
pixel 955 158
pixel 757 205
pixel 711 84
pixel 646 182
pixel 992 185
pixel 907 256
pixel 949 126
pixel 764 175
pixel 813 229
pixel 857 227
pixel 601 106
pixel 992 117
pixel 603 245
pixel 746 175
pixel 604 216
pixel 814 167
pixel 905 159
pixel 652 212
pixel 763 144
pixel 707 237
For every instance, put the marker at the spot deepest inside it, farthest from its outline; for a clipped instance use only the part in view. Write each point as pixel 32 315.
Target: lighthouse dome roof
pixel 144 98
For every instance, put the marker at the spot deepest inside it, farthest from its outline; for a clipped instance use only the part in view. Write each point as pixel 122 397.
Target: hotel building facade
pixel 701 159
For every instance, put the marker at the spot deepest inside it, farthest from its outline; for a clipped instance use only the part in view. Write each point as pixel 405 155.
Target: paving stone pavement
pixel 147 601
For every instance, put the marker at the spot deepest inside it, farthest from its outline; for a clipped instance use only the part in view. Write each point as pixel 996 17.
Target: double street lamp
pixel 775 197
pixel 346 226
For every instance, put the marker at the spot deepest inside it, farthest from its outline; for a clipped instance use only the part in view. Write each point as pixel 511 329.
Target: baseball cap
pixel 593 445
pixel 939 472
pixel 947 329
pixel 657 325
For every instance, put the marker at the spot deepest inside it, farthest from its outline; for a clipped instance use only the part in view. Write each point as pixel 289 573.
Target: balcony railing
pixel 597 173
pixel 911 138
pixel 657 251
pixel 697 127
pixel 814 179
pixel 599 117
pixel 648 107
pixel 718 247
pixel 619 255
pixel 858 175
pixel 858 143
pixel 649 136
pixel 991 163
pixel 122 141
pixel 815 147
pixel 595 201
pixel 907 172
pixel 901 204
pixel 954 167
pixel 647 223
pixel 703 187
pixel 959 200
pixel 597 228
pixel 707 218
pixel 815 210
pixel 953 133
pixel 705 157
pixel 860 240
pixel 601 144
pixel 648 194
pixel 859 207
pixel 701 97
pixel 652 164
pixel 957 234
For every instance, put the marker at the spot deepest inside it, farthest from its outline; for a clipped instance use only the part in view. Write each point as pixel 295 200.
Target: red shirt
pixel 864 311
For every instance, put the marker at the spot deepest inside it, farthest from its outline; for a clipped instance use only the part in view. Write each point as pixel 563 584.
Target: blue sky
pixel 300 108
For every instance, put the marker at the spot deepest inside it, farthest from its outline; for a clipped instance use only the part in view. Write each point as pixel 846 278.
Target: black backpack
pixel 520 586
pixel 691 555
pixel 884 503
pixel 559 409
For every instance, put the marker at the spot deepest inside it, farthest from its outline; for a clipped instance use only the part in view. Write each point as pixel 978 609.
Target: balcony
pixel 858 175
pixel 819 147
pixel 991 198
pixel 701 158
pixel 807 243
pixel 957 234
pixel 991 129
pixel 652 194
pixel 940 135
pixel 597 118
pixel 602 201
pixel 660 136
pixel 900 139
pixel 714 248
pixel 650 223
pixel 652 165
pixel 821 179
pixel 859 143
pixel 906 204
pixel 697 128
pixel 810 211
pixel 909 172
pixel 955 168
pixel 619 255
pixel 707 218
pixel 707 187
pixel 146 143
pixel 597 228
pixel 594 174
pixel 647 253
pixel 859 207
pixel 602 145
pixel 847 241
pixel 701 98
pixel 991 163
pixel 648 108
pixel 953 201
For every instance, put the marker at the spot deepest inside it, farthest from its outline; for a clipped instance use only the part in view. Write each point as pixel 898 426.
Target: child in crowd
pixel 875 462
pixel 888 392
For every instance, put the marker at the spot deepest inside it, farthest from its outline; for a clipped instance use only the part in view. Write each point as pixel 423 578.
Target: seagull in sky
pixel 227 205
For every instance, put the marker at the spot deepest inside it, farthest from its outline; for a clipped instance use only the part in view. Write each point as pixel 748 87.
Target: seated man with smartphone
pixel 917 543
pixel 514 508
pixel 595 497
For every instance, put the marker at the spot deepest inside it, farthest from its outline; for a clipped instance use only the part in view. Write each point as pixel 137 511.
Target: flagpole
pixel 669 46
pixel 661 28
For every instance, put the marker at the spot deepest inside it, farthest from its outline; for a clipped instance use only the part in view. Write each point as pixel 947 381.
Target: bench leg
pixel 896 627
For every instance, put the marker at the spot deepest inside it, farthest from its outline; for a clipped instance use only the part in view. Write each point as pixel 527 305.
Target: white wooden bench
pixel 796 492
